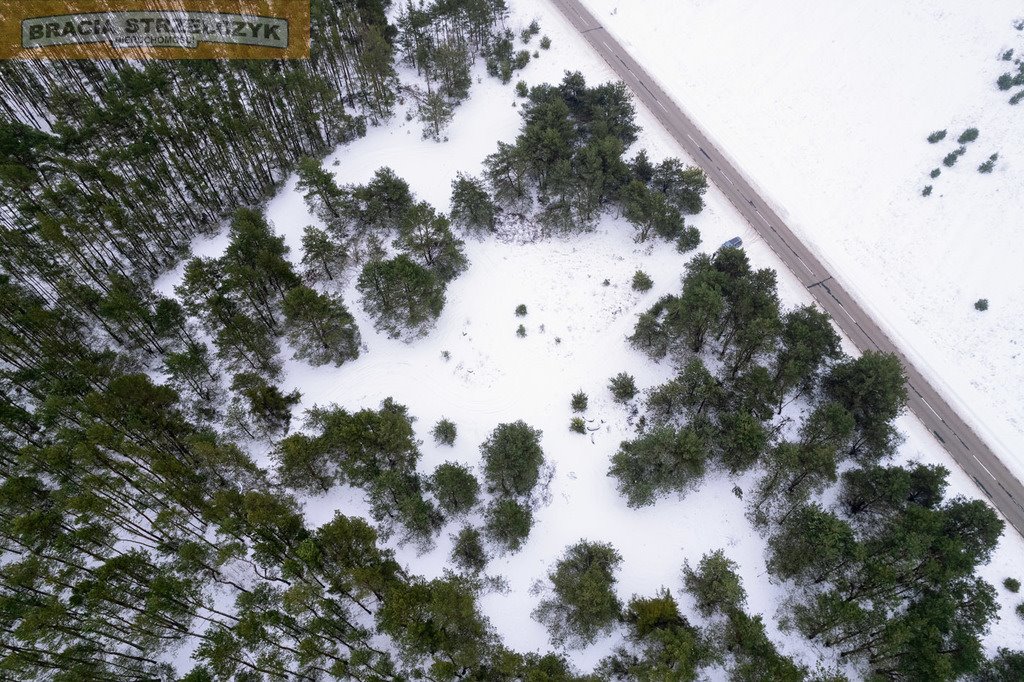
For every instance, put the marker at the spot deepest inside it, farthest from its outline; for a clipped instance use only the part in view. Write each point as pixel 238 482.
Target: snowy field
pixel 576 329
pixel 825 105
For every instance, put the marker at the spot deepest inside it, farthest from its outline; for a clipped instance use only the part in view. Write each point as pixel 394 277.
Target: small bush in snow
pixel 468 551
pixel 688 240
pixel 512 459
pixel 926 191
pixel 579 401
pixel 1008 55
pixel 444 432
pixel 1012 584
pixel 969 135
pixel 949 159
pixel 988 165
pixel 623 387
pixel 521 331
pixel 1018 97
pixel 446 355
pixel 530 31
pixel 521 310
pixel 937 136
pixel 1020 610
pixel 981 304
pixel 455 487
pixel 642 281
pixel 1005 82
pixel 714 584
pixel 545 43
pixel 936 172
pixel 606 283
pixel 521 89
pixel 577 425
pixel 507 524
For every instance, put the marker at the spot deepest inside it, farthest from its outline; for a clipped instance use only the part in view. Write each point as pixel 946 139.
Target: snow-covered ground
pixel 576 330
pixel 826 105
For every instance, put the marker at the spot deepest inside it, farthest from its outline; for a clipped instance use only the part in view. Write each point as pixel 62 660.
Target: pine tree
pixel 512 459
pixel 472 207
pixel 584 604
pixel 322 257
pixel 429 239
pixel 319 327
pixel 400 295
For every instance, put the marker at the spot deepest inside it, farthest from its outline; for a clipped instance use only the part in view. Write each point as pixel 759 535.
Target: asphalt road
pixel 1003 490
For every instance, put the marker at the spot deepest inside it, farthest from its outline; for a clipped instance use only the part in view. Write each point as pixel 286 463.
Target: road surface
pixel 1003 490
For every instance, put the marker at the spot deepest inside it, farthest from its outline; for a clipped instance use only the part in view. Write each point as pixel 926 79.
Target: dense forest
pixel 141 541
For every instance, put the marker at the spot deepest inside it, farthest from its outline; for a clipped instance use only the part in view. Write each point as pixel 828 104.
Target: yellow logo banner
pixel 154 29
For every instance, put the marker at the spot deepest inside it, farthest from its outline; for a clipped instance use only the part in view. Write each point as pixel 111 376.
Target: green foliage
pixel 623 387
pixel 428 238
pixel 651 213
pixel 545 43
pixel 521 89
pixel 568 154
pixel 989 164
pixel 579 401
pixel 688 240
pixel 319 327
pixel 400 295
pixel 903 619
pixel 473 210
pixel 583 605
pixel 521 310
pixel 808 342
pixel 521 331
pixel 530 31
pixel 512 459
pixel 949 159
pixel 969 135
pixel 322 257
pixel 660 644
pixel 578 425
pixel 872 388
pixel 642 281
pixel 937 136
pixel 501 58
pixel 755 657
pixel 714 584
pixel 265 410
pixel 936 172
pixel 455 487
pixel 684 187
pixel 812 546
pixel 660 461
pixel 437 624
pixel 507 523
pixel 444 432
pixel 927 191
pixel 303 464
pixel 468 551
pixel 1012 585
pixel 1006 666
pixel 435 111
pixel 981 304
